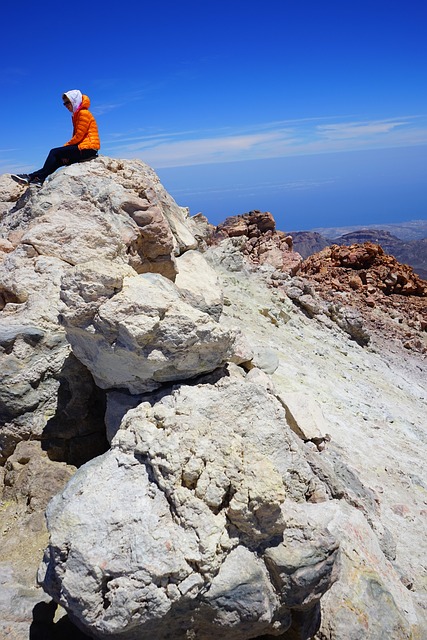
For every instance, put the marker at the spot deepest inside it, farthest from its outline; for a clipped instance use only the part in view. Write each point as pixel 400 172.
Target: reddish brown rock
pixel 264 244
pixel 373 268
pixel 390 296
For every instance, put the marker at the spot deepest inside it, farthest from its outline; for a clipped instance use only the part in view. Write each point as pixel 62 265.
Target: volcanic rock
pixel 264 476
pixel 407 250
pixel 382 294
pixel 262 243
pixel 203 474
pixel 203 292
pixel 137 332
pixel 373 399
pixel 109 210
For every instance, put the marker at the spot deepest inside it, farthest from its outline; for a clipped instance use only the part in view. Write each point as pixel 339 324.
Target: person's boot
pixel 36 181
pixel 22 178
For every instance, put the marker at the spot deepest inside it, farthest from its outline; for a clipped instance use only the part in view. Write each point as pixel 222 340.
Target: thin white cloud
pixel 11 166
pixel 268 140
pixel 149 139
pixel 207 150
pixel 101 109
pixel 242 189
pixel 344 131
pixel 8 163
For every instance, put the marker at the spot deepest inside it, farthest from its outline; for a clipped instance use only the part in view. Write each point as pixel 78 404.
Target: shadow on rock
pixel 43 626
pixel 75 434
pixel 305 624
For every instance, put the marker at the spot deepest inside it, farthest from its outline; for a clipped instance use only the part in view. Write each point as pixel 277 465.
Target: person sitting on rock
pixel 84 144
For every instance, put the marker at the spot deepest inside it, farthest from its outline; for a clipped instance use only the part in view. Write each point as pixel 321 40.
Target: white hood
pixel 75 97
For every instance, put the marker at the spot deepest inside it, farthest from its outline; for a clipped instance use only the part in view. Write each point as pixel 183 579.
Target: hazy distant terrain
pixel 411 230
pixel 406 241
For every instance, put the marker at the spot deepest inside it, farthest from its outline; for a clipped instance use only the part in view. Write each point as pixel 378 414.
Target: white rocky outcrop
pixel 36 363
pixel 140 333
pixel 365 407
pixel 248 467
pixel 102 210
pixel 201 486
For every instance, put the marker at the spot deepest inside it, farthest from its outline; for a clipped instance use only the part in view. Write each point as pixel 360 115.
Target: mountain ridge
pixel 407 230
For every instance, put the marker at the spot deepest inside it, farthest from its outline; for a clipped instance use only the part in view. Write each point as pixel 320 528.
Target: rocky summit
pixel 202 434
pixel 411 251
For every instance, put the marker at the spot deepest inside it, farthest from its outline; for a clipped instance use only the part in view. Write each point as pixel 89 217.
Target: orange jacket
pixel 85 129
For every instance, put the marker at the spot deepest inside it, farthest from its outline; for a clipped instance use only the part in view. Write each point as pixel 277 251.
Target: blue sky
pixel 314 111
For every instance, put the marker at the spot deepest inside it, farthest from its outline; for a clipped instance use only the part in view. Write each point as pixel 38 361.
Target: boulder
pixel 304 416
pixel 142 336
pixel 176 529
pixel 104 224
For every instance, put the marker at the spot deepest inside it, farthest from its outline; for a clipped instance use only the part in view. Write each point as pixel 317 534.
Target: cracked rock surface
pixel 265 473
pixel 194 501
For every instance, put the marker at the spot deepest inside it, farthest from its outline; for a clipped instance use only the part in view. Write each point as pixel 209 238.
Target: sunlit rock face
pixel 202 487
pixel 116 212
pixel 248 428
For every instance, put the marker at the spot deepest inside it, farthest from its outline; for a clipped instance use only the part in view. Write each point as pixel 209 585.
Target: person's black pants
pixel 61 156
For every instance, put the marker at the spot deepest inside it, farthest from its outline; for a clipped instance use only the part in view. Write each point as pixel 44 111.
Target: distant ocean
pixel 358 188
